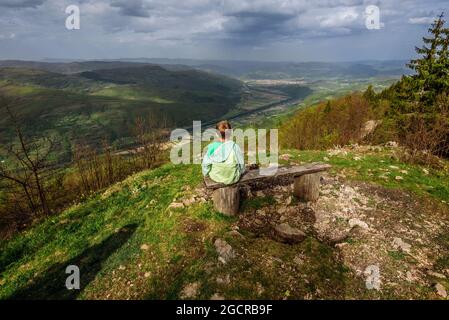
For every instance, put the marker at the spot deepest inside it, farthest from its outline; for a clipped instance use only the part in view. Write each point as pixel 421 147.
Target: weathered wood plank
pixel 254 175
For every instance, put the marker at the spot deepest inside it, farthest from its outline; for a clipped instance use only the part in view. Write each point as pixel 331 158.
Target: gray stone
pixel 398 244
pixel 282 210
pixel 224 250
pixel 441 290
pixel 354 222
pixel 217 296
pixel 224 280
pixel 436 275
pixel 190 291
pixel 289 234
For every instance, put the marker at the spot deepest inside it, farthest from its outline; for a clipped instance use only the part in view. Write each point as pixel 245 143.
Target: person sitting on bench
pixel 223 161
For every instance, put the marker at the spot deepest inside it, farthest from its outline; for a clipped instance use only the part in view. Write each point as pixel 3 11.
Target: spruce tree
pixel 431 68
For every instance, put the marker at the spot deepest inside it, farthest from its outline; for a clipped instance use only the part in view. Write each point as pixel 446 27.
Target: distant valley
pixel 94 101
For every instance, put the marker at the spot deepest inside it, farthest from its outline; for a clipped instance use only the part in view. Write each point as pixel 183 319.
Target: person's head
pixel 222 126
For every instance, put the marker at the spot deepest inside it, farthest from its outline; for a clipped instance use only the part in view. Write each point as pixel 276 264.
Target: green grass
pixel 109 227
pixel 104 236
pixel 381 168
pixel 131 93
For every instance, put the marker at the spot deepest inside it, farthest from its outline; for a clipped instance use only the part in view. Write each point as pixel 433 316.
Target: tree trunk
pixel 307 187
pixel 227 200
pixel 41 194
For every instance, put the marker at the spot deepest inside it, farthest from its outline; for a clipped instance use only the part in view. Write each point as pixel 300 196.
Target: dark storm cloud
pixel 131 8
pixel 21 3
pixel 247 26
pixel 215 28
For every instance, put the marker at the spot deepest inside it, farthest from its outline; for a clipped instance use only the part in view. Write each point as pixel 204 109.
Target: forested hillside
pixel 414 111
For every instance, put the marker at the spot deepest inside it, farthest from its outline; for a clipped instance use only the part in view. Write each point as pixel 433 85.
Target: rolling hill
pixel 98 104
pixel 287 70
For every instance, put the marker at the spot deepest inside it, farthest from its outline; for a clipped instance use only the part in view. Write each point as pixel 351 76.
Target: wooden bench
pixel 306 185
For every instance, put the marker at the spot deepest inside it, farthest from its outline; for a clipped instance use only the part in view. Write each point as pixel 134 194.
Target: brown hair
pixel 222 126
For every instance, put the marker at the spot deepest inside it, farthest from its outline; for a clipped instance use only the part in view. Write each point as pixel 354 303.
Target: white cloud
pixel 421 20
pixel 344 17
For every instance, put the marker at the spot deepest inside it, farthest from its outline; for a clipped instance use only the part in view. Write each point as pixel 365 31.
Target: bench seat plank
pixel 253 175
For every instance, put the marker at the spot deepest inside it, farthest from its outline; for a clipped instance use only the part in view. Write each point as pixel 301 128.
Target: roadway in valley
pixel 283 104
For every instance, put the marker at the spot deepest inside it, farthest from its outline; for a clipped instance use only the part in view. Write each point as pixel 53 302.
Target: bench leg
pixel 307 187
pixel 227 200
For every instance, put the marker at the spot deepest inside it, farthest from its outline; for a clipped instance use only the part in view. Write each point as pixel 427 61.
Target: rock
pixel 334 237
pixel 217 296
pixel 289 200
pixel 144 247
pixel 436 275
pixel 147 274
pixel 260 212
pixel 190 291
pixel 260 193
pixel 224 250
pixel 372 274
pixel 441 290
pixel 391 144
pixel 188 202
pixel 398 178
pixel 224 280
pixel 354 222
pixel 176 205
pixel 401 245
pixel 282 210
pixel 260 288
pixel 369 127
pixel 286 233
pixel 235 234
pixel 337 151
pixel 299 259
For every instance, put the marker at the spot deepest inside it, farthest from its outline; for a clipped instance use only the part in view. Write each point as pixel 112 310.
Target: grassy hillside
pixel 152 237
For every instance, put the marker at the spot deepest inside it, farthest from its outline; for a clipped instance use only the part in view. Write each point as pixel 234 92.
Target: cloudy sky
pixel 293 30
